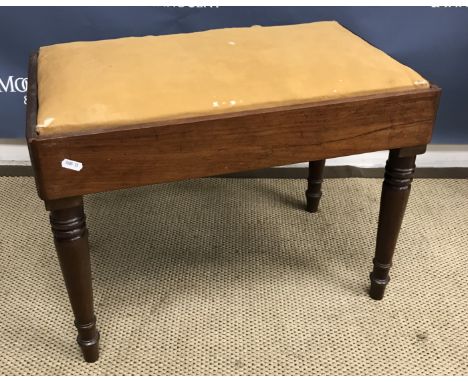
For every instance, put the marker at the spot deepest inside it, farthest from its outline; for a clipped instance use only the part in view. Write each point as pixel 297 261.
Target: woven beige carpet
pixel 229 276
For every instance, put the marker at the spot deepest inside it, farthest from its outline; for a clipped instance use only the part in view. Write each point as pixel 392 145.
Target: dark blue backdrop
pixel 433 41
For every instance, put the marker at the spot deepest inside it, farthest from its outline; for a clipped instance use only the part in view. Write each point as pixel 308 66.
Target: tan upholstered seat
pixel 121 82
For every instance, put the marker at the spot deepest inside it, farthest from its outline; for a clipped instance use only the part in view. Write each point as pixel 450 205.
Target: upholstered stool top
pixel 112 83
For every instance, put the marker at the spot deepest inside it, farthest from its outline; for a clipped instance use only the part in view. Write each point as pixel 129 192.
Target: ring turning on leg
pixel 314 185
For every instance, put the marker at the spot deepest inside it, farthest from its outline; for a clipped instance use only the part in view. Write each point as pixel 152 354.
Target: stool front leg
pixel 314 185
pixel 396 188
pixel 68 223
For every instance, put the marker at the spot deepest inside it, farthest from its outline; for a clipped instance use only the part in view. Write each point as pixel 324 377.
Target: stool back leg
pixel 396 188
pixel 314 185
pixel 68 223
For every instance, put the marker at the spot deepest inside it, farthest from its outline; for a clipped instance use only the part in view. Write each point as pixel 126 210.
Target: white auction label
pixel 72 165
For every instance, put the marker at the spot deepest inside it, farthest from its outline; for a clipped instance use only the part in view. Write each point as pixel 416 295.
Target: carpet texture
pixel 231 276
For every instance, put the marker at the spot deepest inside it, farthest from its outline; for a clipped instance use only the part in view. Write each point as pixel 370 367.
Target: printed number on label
pixel 72 165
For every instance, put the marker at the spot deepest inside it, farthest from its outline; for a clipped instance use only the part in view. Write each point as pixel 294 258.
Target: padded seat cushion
pixel 86 86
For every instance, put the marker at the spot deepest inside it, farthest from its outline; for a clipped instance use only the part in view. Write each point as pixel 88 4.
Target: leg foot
pixel 89 347
pixel 395 192
pixel 314 185
pixel 379 279
pixel 71 242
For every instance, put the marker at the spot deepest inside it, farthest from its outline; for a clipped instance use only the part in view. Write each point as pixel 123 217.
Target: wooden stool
pixel 129 112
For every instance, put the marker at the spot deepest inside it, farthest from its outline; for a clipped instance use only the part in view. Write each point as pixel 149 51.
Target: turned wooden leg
pixel 71 241
pixel 395 192
pixel 314 185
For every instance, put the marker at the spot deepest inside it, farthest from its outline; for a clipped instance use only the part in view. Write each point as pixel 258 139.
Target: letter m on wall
pixel 7 86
